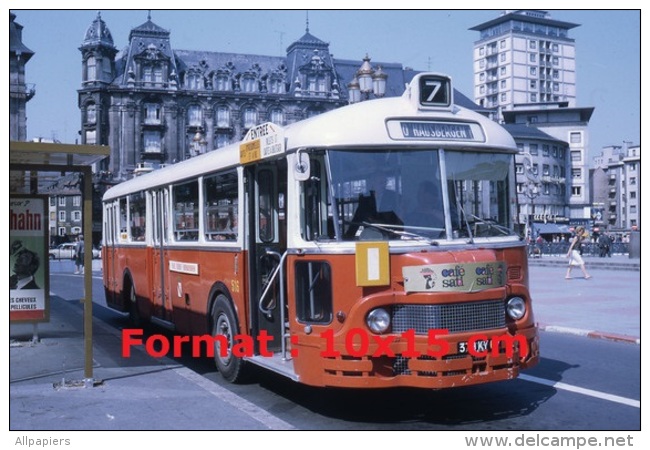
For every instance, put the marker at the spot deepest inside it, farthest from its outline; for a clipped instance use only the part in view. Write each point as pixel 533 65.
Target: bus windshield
pixel 424 195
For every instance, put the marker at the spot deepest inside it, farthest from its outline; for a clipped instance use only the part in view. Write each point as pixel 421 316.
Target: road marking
pixel 583 391
pixel 257 413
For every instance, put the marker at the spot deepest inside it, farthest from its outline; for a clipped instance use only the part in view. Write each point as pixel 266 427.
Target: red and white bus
pixel 370 246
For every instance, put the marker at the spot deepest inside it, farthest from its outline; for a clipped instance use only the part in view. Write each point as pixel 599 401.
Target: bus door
pixel 162 308
pixel 267 247
pixel 111 214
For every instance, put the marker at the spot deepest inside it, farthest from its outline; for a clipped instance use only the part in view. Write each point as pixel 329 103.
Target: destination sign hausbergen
pixel 434 131
pixel 458 277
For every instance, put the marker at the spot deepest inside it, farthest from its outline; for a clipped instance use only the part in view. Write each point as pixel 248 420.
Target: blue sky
pixel 607 45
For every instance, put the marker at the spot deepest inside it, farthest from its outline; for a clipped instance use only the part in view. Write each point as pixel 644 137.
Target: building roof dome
pixel 98 33
pixel 16 45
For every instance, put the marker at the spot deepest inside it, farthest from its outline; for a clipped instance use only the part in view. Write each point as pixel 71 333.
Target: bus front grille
pixel 455 317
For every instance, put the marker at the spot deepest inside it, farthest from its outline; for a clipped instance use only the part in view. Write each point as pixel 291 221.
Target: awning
pixel 551 228
pixel 45 162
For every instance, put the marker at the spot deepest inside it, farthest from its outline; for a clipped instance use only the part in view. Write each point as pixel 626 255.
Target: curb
pixel 591 263
pixel 590 334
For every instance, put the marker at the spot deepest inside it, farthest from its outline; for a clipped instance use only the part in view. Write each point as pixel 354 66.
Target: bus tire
pixel 134 313
pixel 224 323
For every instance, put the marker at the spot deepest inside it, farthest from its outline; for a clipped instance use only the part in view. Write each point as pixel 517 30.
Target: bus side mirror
pixel 302 168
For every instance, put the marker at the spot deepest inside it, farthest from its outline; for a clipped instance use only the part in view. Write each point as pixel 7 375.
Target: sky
pixel 608 52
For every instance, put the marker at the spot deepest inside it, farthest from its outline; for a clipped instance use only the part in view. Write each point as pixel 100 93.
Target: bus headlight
pixel 516 308
pixel 378 320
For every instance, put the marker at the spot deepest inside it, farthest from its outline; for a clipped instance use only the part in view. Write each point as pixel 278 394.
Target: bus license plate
pixel 480 346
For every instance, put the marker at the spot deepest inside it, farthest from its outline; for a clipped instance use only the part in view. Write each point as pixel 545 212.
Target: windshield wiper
pixel 491 223
pixel 469 229
pixel 390 228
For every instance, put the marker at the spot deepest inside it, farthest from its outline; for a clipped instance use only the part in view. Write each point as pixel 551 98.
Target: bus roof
pixel 379 123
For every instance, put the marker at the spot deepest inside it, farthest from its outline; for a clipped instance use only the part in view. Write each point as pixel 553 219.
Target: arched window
pixel 152 113
pixel 194 116
pixel 317 85
pixel 222 82
pixel 276 86
pixel 91 113
pixel 194 81
pixel 277 116
pixel 223 117
pixel 248 84
pixel 91 69
pixel 152 142
pixel 250 117
pixel 147 74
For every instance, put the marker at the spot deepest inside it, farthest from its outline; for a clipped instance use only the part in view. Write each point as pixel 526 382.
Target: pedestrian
pixel 79 255
pixel 574 254
pixel 603 245
pixel 610 245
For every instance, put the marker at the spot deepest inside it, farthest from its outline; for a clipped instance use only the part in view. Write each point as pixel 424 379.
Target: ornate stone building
pixel 154 105
pixel 19 92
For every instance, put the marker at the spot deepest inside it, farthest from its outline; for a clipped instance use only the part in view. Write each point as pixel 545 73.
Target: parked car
pixel 66 251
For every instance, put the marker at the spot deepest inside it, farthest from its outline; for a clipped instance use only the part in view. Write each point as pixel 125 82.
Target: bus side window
pixel 123 221
pixel 137 216
pixel 186 211
pixel 221 207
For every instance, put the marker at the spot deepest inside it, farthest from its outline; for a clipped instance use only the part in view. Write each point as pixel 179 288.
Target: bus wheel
pixel 224 324
pixel 134 314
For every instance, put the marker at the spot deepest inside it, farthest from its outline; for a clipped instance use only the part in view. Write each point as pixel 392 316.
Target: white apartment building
pixel 524 57
pixel 616 184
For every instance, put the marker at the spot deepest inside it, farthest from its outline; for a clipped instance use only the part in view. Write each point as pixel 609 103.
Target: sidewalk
pixel 615 262
pixel 47 392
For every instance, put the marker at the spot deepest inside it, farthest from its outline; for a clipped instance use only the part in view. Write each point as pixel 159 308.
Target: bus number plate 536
pixel 481 346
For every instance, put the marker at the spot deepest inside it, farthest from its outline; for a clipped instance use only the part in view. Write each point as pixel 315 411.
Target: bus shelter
pixel 32 167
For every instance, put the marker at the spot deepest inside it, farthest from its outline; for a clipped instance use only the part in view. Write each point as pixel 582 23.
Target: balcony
pixel 153 123
pixel 553 179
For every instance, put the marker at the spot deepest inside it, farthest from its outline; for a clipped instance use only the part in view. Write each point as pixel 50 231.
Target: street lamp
pixel 354 93
pixel 379 82
pixel 532 192
pixel 532 188
pixel 367 81
pixel 199 145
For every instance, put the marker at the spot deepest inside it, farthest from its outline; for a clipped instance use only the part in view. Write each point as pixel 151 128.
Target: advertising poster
pixel 28 259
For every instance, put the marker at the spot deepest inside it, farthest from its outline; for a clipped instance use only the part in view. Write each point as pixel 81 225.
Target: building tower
pixel 523 57
pixel 19 92
pixel 98 70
